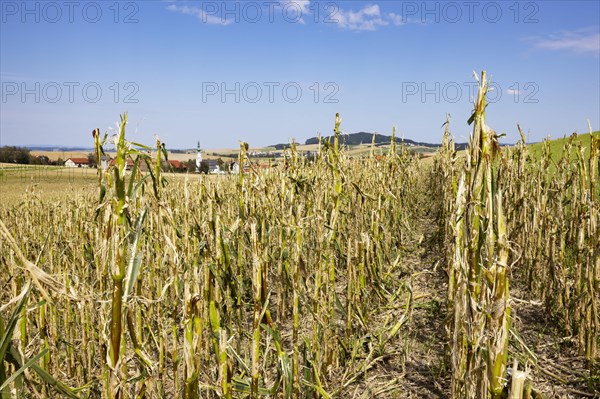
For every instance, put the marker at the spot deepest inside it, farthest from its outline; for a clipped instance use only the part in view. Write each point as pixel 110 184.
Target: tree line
pixel 21 155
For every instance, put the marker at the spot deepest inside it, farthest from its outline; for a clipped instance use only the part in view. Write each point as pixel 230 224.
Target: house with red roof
pixel 77 163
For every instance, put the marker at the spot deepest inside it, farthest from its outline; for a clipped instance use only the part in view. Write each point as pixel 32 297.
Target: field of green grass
pixel 556 146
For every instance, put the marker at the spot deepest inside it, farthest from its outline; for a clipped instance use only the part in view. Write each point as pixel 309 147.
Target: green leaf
pixel 23 368
pixel 471 119
pixel 134 170
pixel 12 322
pixel 44 375
pixel 135 259
pixel 145 147
pixel 215 321
pixel 240 361
pixel 136 189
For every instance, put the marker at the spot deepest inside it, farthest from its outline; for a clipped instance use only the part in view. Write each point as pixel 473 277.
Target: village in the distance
pixel 214 161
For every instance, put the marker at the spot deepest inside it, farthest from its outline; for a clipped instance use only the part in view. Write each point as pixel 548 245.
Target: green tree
pixel 11 154
pixel 204 167
pixel 91 157
pixel 191 165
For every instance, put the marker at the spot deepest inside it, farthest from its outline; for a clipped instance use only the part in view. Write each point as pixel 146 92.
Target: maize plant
pixel 121 215
pixel 480 255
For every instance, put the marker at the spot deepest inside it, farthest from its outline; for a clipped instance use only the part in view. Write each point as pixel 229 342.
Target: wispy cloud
pixel 512 91
pixel 368 18
pixel 301 7
pixel 397 19
pixel 214 13
pixel 581 41
pixel 202 15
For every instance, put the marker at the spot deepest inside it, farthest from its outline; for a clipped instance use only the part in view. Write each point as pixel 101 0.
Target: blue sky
pixel 268 71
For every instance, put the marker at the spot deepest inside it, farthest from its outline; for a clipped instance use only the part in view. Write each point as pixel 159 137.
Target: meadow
pixel 472 275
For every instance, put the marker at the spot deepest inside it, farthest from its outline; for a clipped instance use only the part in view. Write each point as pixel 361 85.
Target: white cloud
pixel 396 19
pixel 302 7
pixel 581 41
pixel 210 19
pixel 367 18
pixel 512 91
pixel 214 13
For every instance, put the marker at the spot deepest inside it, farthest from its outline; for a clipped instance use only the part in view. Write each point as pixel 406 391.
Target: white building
pixel 198 158
pixel 77 163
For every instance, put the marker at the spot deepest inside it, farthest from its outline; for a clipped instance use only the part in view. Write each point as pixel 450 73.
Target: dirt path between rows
pixel 555 369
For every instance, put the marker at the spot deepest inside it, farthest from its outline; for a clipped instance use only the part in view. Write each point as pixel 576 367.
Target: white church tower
pixel 198 158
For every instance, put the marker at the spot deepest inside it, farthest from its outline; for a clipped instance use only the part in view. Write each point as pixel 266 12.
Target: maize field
pixel 465 276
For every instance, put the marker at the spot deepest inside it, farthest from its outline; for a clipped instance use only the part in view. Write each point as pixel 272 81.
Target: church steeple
pixel 198 158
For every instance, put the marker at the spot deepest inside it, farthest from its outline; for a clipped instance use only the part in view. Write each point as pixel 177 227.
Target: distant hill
pixel 58 148
pixel 556 146
pixel 367 138
pixel 107 147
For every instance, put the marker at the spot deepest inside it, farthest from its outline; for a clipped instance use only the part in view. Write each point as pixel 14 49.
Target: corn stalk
pixel 481 308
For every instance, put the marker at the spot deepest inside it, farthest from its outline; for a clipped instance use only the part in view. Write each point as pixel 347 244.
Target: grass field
pixel 556 146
